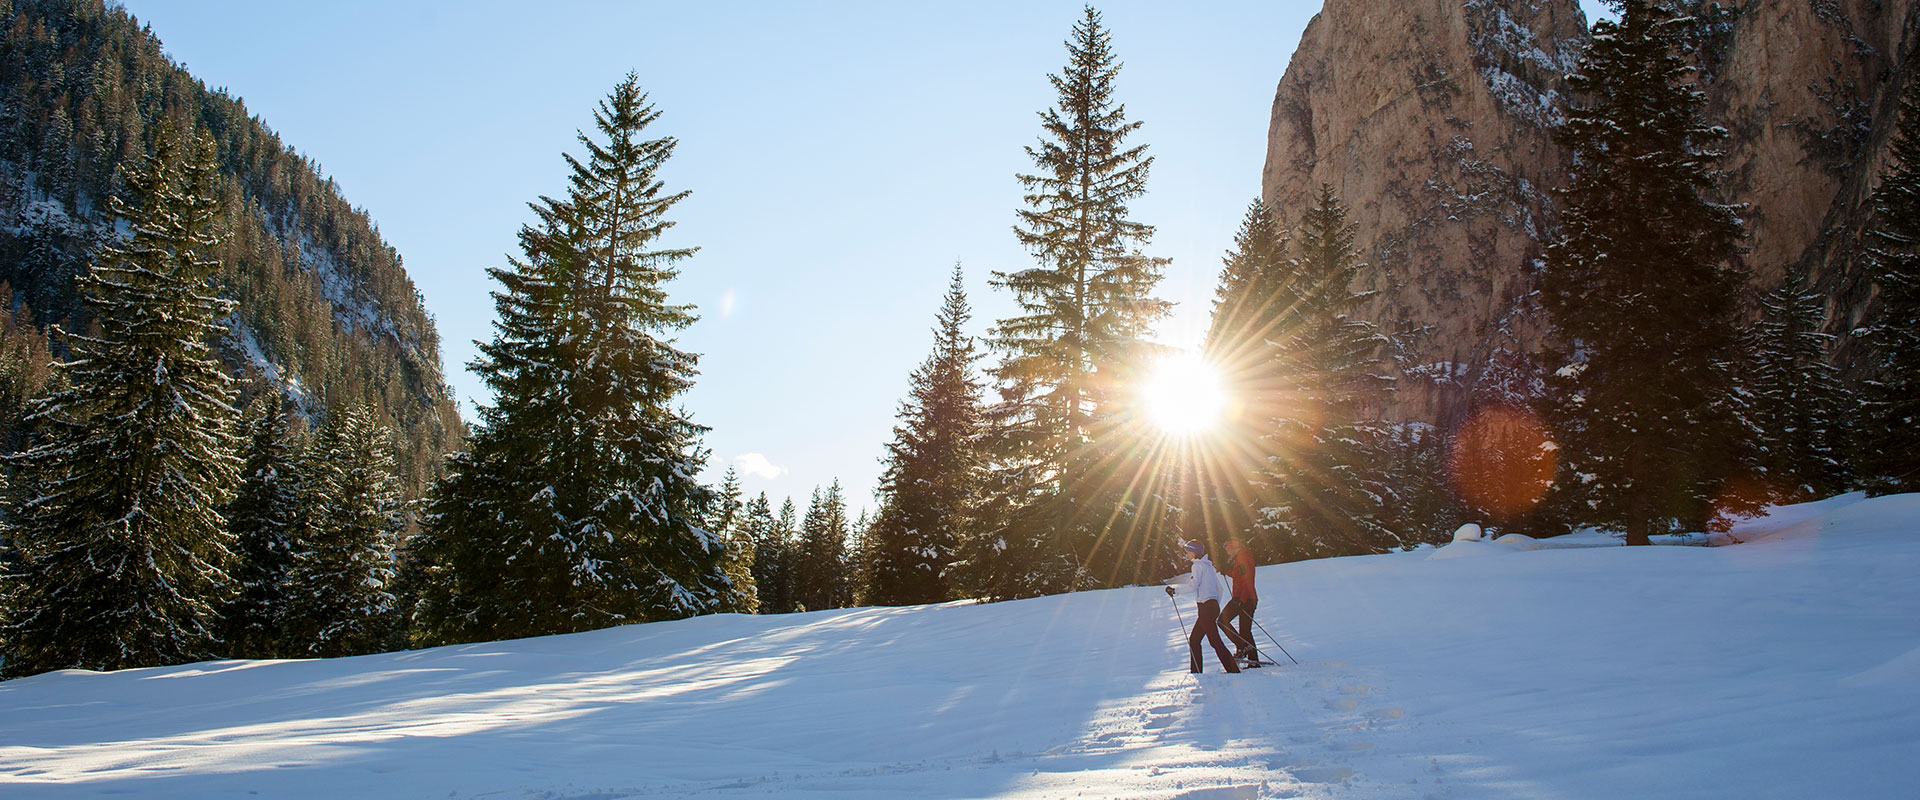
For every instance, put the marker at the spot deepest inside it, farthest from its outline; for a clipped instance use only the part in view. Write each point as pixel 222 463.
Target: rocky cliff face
pixel 1810 91
pixel 1434 120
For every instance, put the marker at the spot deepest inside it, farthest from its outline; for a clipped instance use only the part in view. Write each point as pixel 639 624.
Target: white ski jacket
pixel 1208 583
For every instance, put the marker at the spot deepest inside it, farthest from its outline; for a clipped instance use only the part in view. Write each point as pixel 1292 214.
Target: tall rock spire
pixel 1434 119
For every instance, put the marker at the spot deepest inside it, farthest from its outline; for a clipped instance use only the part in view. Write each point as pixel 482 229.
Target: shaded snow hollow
pixel 1786 667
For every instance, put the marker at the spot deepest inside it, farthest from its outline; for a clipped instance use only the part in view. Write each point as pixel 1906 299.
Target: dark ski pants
pixel 1208 625
pixel 1243 611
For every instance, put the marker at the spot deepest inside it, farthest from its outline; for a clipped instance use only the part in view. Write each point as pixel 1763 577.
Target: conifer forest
pixel 227 431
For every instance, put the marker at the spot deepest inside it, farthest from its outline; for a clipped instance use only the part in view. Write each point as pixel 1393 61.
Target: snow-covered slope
pixel 1786 667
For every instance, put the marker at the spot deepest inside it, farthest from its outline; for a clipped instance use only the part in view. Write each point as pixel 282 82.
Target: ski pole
pixel 1276 642
pixel 1233 635
pixel 1182 617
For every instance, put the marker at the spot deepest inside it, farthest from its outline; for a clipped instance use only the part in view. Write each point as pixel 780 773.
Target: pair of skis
pixel 1255 662
pixel 1249 659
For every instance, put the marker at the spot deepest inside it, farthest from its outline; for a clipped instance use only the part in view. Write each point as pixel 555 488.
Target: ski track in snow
pixel 1184 737
pixel 1787 667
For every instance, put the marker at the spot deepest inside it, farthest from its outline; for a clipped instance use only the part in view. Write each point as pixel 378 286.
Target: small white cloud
pixel 758 466
pixel 727 299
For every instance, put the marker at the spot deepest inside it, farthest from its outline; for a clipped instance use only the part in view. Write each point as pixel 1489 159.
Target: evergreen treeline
pixel 150 521
pixel 1055 483
pixel 165 260
pixel 323 305
pixel 794 561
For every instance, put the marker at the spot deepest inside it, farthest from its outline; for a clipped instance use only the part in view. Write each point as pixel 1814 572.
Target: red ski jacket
pixel 1241 571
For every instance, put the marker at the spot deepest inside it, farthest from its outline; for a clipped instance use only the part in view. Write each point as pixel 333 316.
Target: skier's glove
pixel 1169 591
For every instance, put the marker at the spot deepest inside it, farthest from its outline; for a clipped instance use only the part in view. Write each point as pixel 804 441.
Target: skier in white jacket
pixel 1209 591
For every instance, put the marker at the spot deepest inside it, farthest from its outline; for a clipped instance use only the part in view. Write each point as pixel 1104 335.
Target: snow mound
pixel 1469 548
pixel 1468 543
pixel 1853 513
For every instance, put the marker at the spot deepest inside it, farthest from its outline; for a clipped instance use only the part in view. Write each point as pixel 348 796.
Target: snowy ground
pixel 1786 667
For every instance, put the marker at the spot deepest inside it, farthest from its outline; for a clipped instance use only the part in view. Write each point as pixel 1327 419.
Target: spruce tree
pixel 1326 478
pixel 808 572
pixel 1889 451
pixel 932 470
pixel 1417 506
pixel 340 582
pixel 576 506
pixel 1065 515
pixel 472 515
pixel 1257 300
pixel 1795 397
pixel 124 553
pixel 262 517
pixel 756 526
pixel 726 520
pixel 860 554
pixel 776 553
pixel 1254 294
pixel 822 579
pixel 1642 288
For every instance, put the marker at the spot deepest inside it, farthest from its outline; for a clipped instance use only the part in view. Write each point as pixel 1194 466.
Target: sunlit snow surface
pixel 1786 667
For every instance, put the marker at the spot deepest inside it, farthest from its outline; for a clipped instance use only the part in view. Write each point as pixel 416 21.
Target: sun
pixel 1184 395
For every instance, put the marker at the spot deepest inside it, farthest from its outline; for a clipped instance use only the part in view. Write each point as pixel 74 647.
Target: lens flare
pixel 1184 395
pixel 1502 462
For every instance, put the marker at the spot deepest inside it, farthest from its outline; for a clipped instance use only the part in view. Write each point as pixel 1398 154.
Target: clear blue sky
pixel 842 157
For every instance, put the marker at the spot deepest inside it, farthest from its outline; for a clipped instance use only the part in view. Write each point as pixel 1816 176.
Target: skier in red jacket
pixel 1239 568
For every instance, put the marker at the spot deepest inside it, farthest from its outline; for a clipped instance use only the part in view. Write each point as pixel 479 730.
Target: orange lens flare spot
pixel 1501 462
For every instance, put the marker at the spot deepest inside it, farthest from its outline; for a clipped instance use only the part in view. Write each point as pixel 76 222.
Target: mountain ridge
pixel 326 310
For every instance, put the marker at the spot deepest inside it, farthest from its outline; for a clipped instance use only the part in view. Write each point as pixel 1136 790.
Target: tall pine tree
pixel 932 470
pixel 1256 300
pixel 262 517
pixel 1253 295
pixel 1795 396
pixel 124 551
pixel 823 576
pixel 1889 452
pixel 1064 509
pixel 773 588
pixel 725 518
pixel 576 506
pixel 1642 287
pixel 1327 475
pixel 860 552
pixel 341 577
pixel 782 543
